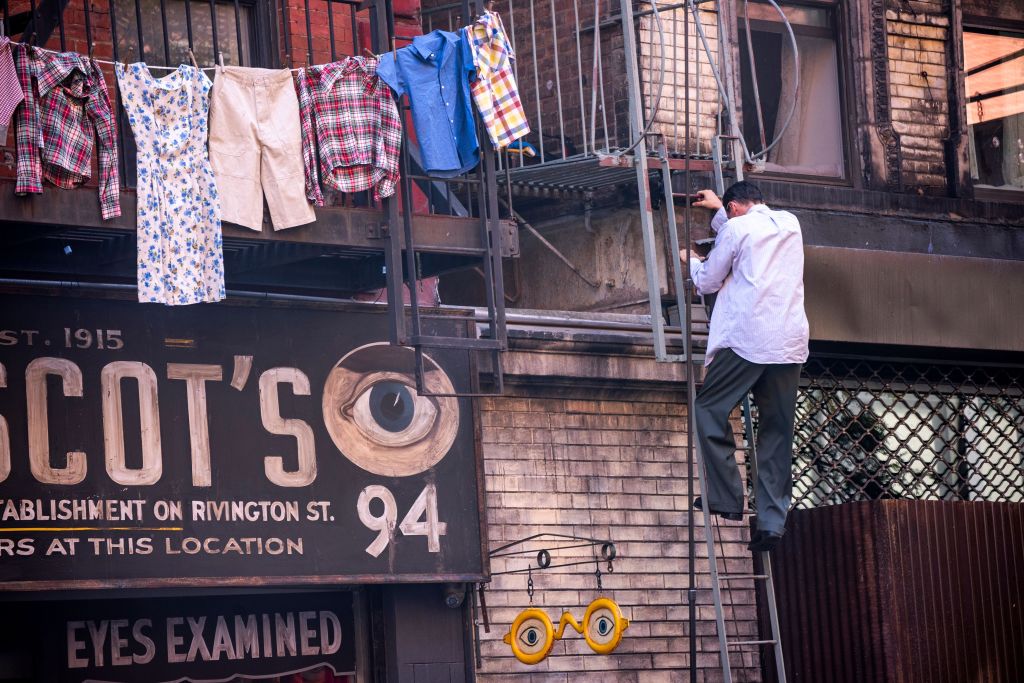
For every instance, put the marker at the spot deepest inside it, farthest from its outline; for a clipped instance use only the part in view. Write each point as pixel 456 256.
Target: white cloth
pixel 757 268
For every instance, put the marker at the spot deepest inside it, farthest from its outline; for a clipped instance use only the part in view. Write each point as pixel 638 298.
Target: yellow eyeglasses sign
pixel 532 634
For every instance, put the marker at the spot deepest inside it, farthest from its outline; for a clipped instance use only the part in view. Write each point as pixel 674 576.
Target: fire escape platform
pixel 583 175
pixel 60 235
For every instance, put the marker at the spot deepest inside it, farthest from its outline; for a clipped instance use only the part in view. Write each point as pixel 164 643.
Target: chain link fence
pixel 869 429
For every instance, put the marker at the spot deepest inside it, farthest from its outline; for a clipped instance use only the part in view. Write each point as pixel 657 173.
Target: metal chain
pixel 597 573
pixel 529 583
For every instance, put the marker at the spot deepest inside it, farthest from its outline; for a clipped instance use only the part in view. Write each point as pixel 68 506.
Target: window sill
pixel 996 194
pixel 834 181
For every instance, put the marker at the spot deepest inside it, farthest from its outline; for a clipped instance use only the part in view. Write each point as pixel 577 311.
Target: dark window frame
pixel 844 60
pixel 972 23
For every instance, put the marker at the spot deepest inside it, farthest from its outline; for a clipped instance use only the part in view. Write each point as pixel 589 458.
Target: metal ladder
pixel 711 522
pixel 683 294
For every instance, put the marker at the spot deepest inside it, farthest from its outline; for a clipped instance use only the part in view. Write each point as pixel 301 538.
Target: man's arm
pixel 709 275
pixel 719 219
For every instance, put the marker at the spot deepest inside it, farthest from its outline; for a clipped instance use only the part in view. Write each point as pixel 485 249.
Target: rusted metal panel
pixel 903 591
pixel 880 297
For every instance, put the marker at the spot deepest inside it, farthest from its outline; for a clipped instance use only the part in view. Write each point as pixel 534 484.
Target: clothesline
pixel 198 154
pixel 157 66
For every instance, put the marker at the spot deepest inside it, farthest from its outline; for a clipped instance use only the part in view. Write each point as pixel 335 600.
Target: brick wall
pixel 703 93
pixel 613 468
pixel 918 45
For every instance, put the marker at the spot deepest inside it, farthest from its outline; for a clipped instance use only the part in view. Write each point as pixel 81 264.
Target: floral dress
pixel 181 257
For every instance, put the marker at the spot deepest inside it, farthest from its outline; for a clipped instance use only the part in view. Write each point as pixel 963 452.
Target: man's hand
pixel 707 199
pixel 686 254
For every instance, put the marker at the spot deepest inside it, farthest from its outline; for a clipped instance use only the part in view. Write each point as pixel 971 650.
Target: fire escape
pixel 609 120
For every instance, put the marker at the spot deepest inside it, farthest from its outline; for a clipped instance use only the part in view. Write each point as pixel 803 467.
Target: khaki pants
pixel 256 147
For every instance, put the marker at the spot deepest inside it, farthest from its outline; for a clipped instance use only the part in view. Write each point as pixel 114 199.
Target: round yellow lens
pixel 531 637
pixel 603 625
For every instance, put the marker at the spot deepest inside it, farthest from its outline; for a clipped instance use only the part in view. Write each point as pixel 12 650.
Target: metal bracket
pixel 380 231
pixel 605 552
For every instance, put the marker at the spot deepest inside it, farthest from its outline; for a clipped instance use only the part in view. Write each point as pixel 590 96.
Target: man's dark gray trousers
pixel 729 378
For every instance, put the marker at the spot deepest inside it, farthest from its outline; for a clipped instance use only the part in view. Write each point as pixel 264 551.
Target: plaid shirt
pixel 62 114
pixel 494 88
pixel 10 87
pixel 356 125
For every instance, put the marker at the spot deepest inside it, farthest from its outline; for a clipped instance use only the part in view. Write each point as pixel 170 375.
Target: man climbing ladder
pixel 757 343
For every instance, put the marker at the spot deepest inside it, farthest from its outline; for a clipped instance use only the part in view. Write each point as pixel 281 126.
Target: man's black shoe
pixel 698 504
pixel 764 541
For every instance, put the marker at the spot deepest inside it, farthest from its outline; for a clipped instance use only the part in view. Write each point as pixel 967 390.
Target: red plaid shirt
pixel 64 111
pixel 356 125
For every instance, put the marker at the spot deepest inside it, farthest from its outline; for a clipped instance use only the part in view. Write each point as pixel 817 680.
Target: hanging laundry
pixel 434 72
pixel 66 107
pixel 256 147
pixel 494 87
pixel 10 87
pixel 351 115
pixel 180 251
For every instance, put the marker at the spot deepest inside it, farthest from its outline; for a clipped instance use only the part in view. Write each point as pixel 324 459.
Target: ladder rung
pixel 740 643
pixel 458 343
pixel 741 577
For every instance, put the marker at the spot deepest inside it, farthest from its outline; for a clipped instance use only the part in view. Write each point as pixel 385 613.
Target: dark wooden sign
pixel 222 444
pixel 196 640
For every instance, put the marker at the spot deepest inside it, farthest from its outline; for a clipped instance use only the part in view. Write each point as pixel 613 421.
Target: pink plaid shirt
pixel 10 87
pixel 350 113
pixel 65 109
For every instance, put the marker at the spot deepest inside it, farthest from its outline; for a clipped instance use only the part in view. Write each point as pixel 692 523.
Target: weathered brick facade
pixel 918 47
pixel 679 56
pixel 602 458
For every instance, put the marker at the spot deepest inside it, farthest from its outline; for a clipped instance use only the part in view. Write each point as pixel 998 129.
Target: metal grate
pixel 877 429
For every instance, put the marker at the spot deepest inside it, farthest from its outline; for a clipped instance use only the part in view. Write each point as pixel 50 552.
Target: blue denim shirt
pixel 434 71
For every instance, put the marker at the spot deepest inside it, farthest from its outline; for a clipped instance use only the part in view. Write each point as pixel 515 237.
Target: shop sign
pixel 227 444
pixel 197 640
pixel 532 634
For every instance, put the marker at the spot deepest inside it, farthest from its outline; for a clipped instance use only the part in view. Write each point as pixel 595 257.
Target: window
pixel 870 429
pixel 177 31
pixel 812 144
pixel 994 88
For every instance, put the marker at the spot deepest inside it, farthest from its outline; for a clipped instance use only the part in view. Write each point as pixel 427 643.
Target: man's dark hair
pixel 744 193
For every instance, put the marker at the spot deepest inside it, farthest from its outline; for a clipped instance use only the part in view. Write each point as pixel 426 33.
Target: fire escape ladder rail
pixel 767 575
pixel 731 140
pixel 399 275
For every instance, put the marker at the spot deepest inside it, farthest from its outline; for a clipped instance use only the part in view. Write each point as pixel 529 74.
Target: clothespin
pixel 2 33
pixel 92 44
pixel 220 58
pixel 192 58
pixel 369 53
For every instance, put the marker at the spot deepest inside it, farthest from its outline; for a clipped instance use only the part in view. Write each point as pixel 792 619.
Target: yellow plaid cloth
pixel 494 87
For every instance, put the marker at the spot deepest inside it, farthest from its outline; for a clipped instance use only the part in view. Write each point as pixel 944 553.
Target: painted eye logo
pixel 532 635
pixel 377 419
